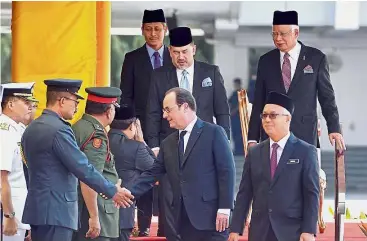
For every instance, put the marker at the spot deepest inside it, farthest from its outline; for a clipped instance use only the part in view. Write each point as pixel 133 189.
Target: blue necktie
pixel 181 148
pixel 184 83
pixel 157 61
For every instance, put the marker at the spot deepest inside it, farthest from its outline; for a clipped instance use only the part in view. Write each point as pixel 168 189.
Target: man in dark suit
pixel 55 163
pixel 135 81
pixel 132 157
pixel 206 84
pixel 284 188
pixel 200 167
pixel 302 73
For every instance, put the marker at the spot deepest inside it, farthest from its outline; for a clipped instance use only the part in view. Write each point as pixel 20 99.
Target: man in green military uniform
pixel 98 216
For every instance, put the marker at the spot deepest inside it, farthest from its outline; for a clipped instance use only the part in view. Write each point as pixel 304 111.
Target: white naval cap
pixel 23 90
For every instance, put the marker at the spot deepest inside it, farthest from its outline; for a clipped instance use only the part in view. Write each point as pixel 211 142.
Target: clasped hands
pixel 123 197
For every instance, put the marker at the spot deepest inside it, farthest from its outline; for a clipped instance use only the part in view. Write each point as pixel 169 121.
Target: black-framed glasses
pixel 271 115
pixel 75 101
pixel 281 34
pixel 169 109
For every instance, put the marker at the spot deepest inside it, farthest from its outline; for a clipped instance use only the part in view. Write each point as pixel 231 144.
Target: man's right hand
pixel 233 237
pixel 123 197
pixel 94 228
pixel 10 226
pixel 249 145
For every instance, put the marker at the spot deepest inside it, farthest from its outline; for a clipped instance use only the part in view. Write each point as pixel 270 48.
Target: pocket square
pixel 206 82
pixel 308 69
pixel 293 161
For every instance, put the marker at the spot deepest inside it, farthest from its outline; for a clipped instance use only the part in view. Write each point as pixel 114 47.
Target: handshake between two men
pixel 123 197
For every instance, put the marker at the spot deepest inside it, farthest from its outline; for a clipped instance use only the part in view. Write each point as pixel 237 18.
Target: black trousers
pixel 190 233
pixel 51 233
pixel 271 235
pixel 145 210
pixel 125 234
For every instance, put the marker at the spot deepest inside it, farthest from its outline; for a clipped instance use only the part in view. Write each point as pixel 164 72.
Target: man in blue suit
pixel 132 157
pixel 284 188
pixel 55 163
pixel 200 168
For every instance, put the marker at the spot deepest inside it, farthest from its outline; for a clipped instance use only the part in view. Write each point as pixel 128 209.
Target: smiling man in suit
pixel 302 73
pixel 281 175
pixel 135 81
pixel 199 164
pixel 205 83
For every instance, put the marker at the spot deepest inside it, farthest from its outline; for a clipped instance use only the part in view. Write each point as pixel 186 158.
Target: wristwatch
pixel 11 215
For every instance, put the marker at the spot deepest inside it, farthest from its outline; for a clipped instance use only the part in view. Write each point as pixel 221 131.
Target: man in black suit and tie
pixel 132 157
pixel 281 175
pixel 205 83
pixel 200 167
pixel 302 73
pixel 135 82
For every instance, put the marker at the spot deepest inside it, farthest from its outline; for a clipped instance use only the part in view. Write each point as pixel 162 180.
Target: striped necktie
pixel 184 83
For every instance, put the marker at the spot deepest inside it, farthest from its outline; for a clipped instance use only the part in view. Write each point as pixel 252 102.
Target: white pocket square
pixel 206 82
pixel 293 161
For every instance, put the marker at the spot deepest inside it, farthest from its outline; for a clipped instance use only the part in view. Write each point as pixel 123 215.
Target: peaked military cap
pixel 154 16
pixel 282 100
pixel 285 18
pixel 103 95
pixel 180 36
pixel 64 85
pixel 22 90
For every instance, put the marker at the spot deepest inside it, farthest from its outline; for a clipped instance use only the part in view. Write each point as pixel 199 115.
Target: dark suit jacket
pixel 304 91
pixel 135 79
pixel 289 202
pixel 211 101
pixel 131 159
pixel 204 182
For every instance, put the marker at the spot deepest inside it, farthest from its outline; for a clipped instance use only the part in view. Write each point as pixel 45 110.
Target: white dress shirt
pixel 190 75
pixel 293 58
pixel 189 128
pixel 281 144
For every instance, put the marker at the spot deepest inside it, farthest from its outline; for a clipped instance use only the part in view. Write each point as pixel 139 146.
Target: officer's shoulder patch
pixel 4 126
pixel 97 142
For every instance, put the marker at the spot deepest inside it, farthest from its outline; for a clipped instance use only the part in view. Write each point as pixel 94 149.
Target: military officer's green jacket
pixel 93 141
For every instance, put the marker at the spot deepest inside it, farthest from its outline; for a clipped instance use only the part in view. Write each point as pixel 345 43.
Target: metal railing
pixel 340 189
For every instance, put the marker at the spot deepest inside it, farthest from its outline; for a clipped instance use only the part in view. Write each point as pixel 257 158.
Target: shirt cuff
pixel 252 141
pixel 224 211
pixel 155 149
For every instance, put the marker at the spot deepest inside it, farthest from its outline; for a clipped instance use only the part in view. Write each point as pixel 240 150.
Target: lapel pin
pixel 304 58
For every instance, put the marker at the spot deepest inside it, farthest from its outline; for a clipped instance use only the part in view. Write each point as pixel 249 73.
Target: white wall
pixel 232 61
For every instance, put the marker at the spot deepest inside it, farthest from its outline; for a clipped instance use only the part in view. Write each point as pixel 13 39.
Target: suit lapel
pixel 195 134
pixel 174 152
pixel 198 78
pixel 301 64
pixel 172 77
pixel 145 58
pixel 287 152
pixel 166 57
pixel 265 155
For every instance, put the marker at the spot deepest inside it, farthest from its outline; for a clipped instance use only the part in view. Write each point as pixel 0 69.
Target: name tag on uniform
pixel 293 161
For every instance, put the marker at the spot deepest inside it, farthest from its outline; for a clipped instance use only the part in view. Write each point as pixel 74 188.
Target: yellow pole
pixel 103 43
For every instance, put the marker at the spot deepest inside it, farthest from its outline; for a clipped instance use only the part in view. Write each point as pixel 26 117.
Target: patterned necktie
pixel 181 147
pixel 273 159
pixel 157 61
pixel 286 72
pixel 184 83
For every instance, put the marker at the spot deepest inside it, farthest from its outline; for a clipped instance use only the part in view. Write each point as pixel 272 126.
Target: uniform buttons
pixel 270 210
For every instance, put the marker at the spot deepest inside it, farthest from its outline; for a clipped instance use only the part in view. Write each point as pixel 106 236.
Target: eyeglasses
pixel 169 109
pixel 75 101
pixel 272 116
pixel 283 35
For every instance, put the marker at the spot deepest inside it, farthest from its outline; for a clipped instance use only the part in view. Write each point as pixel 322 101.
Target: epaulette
pixel 4 126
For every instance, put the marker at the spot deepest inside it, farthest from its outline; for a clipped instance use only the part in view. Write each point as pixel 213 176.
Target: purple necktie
pixel 157 61
pixel 286 72
pixel 273 159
